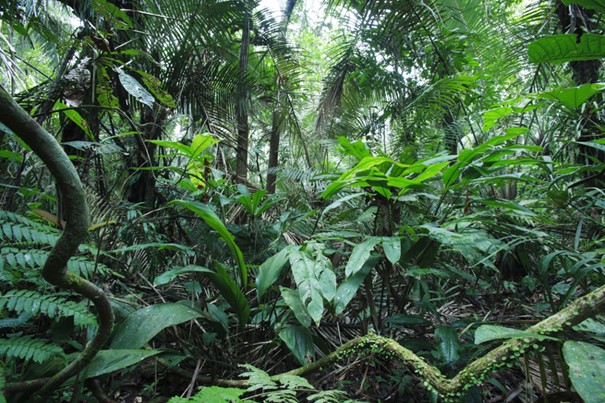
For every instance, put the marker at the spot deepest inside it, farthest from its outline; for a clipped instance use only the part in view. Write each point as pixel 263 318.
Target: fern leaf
pixel 28 348
pixel 15 232
pixel 20 259
pixel 50 305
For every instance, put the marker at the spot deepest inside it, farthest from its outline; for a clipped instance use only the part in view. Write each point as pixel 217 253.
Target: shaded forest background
pixel 341 201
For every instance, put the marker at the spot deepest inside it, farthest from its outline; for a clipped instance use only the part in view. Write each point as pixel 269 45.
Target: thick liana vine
pixel 473 374
pixel 76 225
pixel 476 372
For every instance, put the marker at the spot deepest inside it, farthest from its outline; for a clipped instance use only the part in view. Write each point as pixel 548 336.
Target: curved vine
pixel 76 217
pixel 473 374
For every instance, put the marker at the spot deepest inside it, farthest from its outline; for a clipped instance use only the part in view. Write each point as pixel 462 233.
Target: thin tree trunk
pixel 577 20
pixel 243 130
pixel 276 117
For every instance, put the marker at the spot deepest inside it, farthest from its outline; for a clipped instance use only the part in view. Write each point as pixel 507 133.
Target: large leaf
pixel 565 48
pixel 348 288
pixel 292 299
pixel 300 342
pixel 574 97
pixel 142 325
pixel 492 332
pixel 270 269
pixel 134 88
pixel 315 281
pixel 586 370
pixel 170 275
pixel 214 222
pixel 392 248
pixel 360 254
pixel 448 345
pixel 598 5
pixel 108 361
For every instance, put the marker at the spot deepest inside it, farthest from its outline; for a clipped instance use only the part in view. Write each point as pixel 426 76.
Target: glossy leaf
pixel 348 288
pixel 574 97
pixel 135 89
pixel 598 5
pixel 214 222
pixel 108 361
pixel 448 344
pixel 292 299
pixel 491 332
pixel 360 255
pixel 586 370
pixel 270 269
pixel 565 48
pixel 170 275
pixel 300 342
pixel 142 325
pixel 315 281
pixel 392 248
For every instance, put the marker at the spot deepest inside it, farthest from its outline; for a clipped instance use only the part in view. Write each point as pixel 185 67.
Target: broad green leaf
pixel 170 275
pixel 313 283
pixel 492 332
pixel 200 143
pixel 184 148
pixel 340 202
pixel 360 254
pixel 348 288
pixel 75 117
pixel 108 361
pixel 300 342
pixel 449 345
pixel 134 88
pixel 214 222
pixel 491 116
pixel 357 149
pixel 113 15
pixel 142 325
pixel 574 97
pixel 231 292
pixel 292 299
pixel 392 248
pixel 586 370
pixel 565 48
pixel 270 269
pixel 598 5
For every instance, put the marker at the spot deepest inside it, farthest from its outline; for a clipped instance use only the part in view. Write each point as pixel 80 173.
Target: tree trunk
pixel 577 20
pixel 276 117
pixel 243 131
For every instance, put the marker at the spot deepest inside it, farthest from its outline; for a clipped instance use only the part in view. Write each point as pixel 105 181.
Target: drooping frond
pixel 53 305
pixel 28 348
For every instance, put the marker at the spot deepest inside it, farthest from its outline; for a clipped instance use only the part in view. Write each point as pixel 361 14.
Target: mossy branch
pixel 473 374
pixel 76 218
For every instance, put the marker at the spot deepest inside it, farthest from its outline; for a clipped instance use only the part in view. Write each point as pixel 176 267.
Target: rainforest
pixel 302 201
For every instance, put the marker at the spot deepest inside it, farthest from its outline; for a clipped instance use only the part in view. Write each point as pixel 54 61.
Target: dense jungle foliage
pixel 296 200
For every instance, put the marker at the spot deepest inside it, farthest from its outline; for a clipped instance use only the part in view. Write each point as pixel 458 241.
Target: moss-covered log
pixel 473 374
pixel 476 371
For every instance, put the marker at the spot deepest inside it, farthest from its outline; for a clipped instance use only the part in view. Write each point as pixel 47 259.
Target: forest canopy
pixel 302 200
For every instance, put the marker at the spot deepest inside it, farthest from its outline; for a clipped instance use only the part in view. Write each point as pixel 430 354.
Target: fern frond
pixel 16 228
pixel 20 259
pixel 28 348
pixel 50 305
